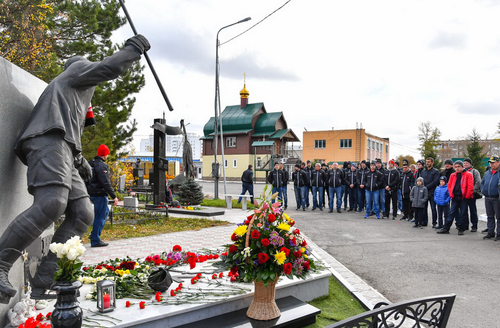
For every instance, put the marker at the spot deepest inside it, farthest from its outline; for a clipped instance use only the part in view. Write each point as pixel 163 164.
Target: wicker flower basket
pixel 263 305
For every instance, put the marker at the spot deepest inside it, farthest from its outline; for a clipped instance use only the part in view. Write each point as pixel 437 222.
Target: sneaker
pixel 474 229
pixel 490 236
pixel 443 231
pixel 321 208
pixel 339 211
pixel 298 208
pixel 460 232
pixel 313 209
pixel 366 216
pixel 385 216
pixel 404 217
pixel 350 210
pixel 358 212
pixel 399 212
pixel 378 216
pixel 330 211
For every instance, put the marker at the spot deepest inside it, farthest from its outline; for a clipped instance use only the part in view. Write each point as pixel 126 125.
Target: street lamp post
pixel 218 124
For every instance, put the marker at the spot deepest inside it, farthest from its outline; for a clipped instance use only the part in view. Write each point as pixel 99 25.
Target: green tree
pixel 190 193
pixel 410 159
pixel 54 31
pixel 475 151
pixel 429 141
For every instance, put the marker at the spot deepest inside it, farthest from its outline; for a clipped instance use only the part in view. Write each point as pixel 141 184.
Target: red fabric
pixel 466 184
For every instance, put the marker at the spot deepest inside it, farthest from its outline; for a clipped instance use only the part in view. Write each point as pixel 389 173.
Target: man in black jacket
pixel 431 181
pixel 300 185
pixel 50 145
pixel 406 185
pixel 373 182
pixel 351 187
pixel 99 187
pixel 275 178
pixel 361 188
pixel 284 189
pixel 247 182
pixel 335 182
pixel 318 181
pixel 391 181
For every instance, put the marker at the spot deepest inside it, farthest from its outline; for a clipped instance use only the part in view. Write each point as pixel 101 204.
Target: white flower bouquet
pixel 69 264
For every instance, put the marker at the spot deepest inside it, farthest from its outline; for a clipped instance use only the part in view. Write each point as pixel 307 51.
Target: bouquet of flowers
pixel 267 245
pixel 68 261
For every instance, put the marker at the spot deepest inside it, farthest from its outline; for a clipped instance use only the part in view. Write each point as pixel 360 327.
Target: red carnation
pixel 142 305
pixel 296 231
pixel 271 218
pixel 233 249
pixel 265 242
pixel 177 248
pixel 234 237
pixel 158 297
pixel 127 304
pixel 255 234
pixel 304 244
pixel 287 268
pixel 221 274
pixel 297 254
pixel 263 257
pixel 306 265
pixel 40 317
pixel 234 270
pixel 48 315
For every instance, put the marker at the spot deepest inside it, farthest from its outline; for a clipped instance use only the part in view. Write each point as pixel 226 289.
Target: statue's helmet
pixel 73 60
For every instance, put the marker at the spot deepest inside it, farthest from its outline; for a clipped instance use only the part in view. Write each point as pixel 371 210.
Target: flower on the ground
pixel 142 305
pixel 158 297
pixel 127 304
pixel 33 323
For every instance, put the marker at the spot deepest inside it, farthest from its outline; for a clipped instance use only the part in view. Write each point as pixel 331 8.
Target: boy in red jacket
pixel 460 188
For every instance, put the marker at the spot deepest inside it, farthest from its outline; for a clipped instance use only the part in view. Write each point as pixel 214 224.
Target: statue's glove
pixel 139 42
pixel 83 167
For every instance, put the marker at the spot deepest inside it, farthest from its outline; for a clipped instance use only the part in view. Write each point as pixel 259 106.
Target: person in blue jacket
pixel 489 188
pixel 442 200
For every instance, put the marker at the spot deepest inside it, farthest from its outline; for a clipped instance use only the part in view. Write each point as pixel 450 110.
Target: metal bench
pixel 421 312
pixel 229 200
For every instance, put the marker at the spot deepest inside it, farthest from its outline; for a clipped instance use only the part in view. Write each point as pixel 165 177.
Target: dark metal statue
pixel 50 145
pixel 187 153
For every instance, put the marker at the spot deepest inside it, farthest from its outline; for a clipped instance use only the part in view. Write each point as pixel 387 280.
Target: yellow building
pixel 344 145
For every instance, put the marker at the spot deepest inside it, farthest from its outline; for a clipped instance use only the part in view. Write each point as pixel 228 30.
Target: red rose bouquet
pixel 267 245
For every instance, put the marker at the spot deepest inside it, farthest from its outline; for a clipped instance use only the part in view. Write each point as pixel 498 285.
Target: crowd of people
pixel 374 189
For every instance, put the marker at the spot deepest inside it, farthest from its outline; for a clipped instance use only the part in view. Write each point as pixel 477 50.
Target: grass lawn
pixel 336 306
pixel 153 227
pixel 222 203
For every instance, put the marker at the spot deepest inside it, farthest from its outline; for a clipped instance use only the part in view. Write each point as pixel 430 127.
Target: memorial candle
pixel 106 301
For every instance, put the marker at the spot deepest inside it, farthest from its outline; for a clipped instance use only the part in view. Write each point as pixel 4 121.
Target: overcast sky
pixel 388 65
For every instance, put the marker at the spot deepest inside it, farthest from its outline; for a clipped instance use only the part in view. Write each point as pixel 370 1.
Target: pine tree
pixel 475 151
pixel 190 193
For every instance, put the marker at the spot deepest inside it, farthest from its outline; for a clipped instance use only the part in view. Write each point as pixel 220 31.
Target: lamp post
pixel 218 124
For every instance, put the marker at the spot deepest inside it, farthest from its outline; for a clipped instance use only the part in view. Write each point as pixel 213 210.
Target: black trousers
pixel 391 196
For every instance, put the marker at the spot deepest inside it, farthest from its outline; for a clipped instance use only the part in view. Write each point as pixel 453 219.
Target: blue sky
pixel 388 65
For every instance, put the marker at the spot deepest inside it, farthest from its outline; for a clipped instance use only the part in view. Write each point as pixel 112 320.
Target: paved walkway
pixel 216 237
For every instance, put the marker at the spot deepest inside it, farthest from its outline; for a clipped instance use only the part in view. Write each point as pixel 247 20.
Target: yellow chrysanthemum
pixel 286 216
pixel 280 257
pixel 284 226
pixel 241 230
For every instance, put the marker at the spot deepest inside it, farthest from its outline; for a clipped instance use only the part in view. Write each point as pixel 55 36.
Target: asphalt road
pixel 403 262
